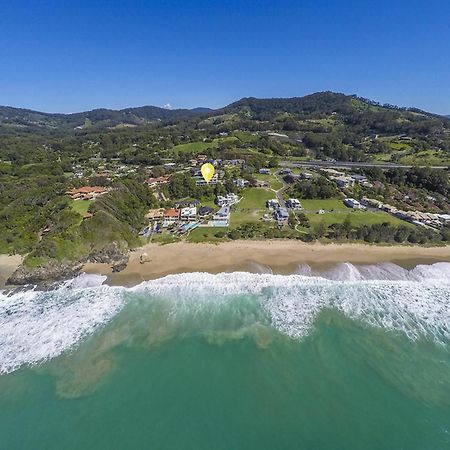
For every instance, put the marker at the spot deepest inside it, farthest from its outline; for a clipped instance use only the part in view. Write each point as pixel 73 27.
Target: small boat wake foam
pixel 36 326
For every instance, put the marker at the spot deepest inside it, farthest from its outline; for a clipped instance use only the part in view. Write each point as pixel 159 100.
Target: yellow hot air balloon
pixel 207 171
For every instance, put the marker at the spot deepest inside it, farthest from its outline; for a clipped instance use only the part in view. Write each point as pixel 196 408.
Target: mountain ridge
pixel 311 105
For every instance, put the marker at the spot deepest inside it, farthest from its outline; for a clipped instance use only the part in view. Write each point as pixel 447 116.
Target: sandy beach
pixel 281 257
pixel 8 264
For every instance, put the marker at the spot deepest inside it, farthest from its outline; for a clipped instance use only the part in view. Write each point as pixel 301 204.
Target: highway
pixel 347 164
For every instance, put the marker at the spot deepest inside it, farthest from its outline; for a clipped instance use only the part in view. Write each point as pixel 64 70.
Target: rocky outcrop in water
pixel 113 253
pixel 47 273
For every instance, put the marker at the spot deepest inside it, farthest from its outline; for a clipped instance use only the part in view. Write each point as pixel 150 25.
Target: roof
pixel 172 212
pixel 205 210
pixel 86 190
pixel 162 179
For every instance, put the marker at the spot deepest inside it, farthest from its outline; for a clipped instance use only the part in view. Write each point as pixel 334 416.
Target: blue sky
pixel 62 56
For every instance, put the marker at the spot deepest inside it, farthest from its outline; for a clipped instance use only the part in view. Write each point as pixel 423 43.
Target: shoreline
pixel 272 256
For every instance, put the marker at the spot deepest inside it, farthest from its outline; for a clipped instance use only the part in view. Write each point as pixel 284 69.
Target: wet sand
pixel 281 256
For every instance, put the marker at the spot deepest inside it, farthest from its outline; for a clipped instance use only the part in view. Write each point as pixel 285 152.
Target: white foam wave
pixel 36 326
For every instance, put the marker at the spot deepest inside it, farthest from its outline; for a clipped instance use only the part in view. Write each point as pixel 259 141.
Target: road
pixel 348 164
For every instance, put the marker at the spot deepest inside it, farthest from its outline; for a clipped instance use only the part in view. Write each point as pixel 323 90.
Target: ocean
pixel 352 357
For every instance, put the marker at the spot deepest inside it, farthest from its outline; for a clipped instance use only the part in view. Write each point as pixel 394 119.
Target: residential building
pixel 189 214
pixel 344 181
pixel 155 214
pixel 227 200
pixel 158 181
pixel 221 218
pixel 186 203
pixel 352 203
pixel 281 215
pixel 273 203
pixel 240 182
pixel 171 215
pixel 200 181
pixel 205 211
pixel 86 192
pixel 293 203
pixel 358 178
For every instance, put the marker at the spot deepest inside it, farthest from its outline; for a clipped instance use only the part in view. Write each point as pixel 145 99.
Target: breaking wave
pixel 36 326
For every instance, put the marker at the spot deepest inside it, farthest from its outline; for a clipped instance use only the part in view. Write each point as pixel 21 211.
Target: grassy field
pixel 327 204
pixel 273 181
pixel 431 157
pixel 357 218
pixel 252 206
pixel 81 206
pixel 254 198
pixel 206 234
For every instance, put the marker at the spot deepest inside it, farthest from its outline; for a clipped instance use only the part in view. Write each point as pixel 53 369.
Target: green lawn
pixel 254 198
pixel 273 181
pixel 81 206
pixel 357 218
pixel 327 204
pixel 252 207
pixel 206 234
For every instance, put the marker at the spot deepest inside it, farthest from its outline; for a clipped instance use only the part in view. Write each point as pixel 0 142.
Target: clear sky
pixel 67 56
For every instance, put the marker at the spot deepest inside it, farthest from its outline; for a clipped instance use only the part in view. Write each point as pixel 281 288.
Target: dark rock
pixel 47 273
pixel 112 253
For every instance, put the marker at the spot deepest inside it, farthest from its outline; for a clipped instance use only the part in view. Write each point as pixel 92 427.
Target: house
pixel 188 214
pixel 282 215
pixel 171 215
pixel 240 182
pixel 227 200
pixel 291 178
pixel 86 192
pixel 306 176
pixel 170 166
pixel 444 218
pixel 221 218
pixel 332 172
pixel 352 203
pixel 293 203
pixel 272 204
pixel 285 171
pixel 200 181
pixel 158 181
pixel 188 203
pixel 264 171
pixel 155 214
pixel 205 211
pixel 358 178
pixel 344 181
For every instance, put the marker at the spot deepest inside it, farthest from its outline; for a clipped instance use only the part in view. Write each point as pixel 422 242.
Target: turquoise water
pixel 357 358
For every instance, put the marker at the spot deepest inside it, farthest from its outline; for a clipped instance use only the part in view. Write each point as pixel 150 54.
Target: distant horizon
pixel 175 107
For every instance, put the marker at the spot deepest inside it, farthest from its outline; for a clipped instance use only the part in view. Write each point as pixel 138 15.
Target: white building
pixel 272 204
pixel 227 200
pixel 293 203
pixel 352 203
pixel 188 214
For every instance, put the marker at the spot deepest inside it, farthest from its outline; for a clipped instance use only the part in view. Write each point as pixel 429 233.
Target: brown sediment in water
pixel 277 256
